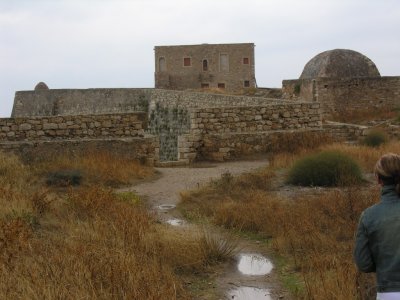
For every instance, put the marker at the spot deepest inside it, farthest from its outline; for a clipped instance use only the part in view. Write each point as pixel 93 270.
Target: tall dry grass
pixel 88 243
pixel 97 168
pixel 313 231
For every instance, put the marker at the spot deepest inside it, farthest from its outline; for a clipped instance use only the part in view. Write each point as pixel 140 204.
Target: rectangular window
pixel 205 65
pixel 223 62
pixel 161 64
pixel 187 62
pixel 246 61
pixel 246 83
pixel 205 86
pixel 221 85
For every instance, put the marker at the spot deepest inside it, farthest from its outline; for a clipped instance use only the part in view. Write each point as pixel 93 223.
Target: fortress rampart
pixel 346 95
pixel 154 125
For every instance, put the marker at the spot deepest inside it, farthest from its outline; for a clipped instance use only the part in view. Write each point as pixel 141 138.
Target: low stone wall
pixel 344 132
pixel 256 118
pixel 72 127
pixel 144 149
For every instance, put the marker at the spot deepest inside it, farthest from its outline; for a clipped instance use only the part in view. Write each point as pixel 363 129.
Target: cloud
pixel 109 43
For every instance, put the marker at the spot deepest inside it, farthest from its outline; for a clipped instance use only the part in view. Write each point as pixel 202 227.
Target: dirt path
pixel 162 195
pixel 165 190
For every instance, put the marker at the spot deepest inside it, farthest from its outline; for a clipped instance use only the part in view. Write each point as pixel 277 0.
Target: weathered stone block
pixel 50 126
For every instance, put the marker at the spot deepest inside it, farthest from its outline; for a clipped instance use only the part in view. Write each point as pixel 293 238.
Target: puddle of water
pixel 254 264
pixel 175 222
pixel 166 206
pixel 246 293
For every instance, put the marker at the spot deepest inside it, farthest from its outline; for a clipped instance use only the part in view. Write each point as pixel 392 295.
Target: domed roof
pixel 339 63
pixel 41 86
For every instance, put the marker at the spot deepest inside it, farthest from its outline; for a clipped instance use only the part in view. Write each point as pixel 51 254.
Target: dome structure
pixel 41 86
pixel 339 63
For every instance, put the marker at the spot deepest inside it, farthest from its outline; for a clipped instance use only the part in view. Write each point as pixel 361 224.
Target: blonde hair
pixel 387 169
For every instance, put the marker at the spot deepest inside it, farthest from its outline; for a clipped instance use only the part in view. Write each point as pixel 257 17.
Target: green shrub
pixel 375 138
pixel 327 168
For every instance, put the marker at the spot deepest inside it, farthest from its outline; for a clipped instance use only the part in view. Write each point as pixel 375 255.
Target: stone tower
pixel 223 66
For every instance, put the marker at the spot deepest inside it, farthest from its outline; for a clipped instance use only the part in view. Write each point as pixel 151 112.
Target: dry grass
pixel 98 168
pixel 87 243
pixel 294 142
pixel 313 232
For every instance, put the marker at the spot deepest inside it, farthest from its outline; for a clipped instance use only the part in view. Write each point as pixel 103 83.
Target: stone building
pixel 344 81
pixel 224 66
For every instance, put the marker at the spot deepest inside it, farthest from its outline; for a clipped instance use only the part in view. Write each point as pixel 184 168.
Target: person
pixel 377 244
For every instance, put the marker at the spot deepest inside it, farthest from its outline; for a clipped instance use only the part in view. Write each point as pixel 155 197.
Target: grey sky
pixel 109 43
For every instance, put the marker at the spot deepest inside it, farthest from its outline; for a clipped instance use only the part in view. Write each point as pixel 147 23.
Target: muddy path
pixel 235 280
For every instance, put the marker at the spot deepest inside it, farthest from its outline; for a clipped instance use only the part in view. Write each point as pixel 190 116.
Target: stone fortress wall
pixel 179 120
pixel 72 127
pixel 344 95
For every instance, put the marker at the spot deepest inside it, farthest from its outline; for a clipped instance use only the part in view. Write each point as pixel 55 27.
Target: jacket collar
pixel 388 193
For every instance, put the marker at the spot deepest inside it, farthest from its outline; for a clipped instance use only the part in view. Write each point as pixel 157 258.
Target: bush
pixel 327 168
pixel 375 138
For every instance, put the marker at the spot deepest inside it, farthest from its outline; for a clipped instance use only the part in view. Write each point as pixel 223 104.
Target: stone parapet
pixel 72 127
pixel 284 116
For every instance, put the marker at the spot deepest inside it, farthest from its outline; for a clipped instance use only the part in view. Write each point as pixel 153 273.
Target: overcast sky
pixel 109 43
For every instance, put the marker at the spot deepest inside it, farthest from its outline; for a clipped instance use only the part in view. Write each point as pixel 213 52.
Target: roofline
pixel 205 44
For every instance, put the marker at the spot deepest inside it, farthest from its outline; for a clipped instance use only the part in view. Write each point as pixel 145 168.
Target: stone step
pixel 171 164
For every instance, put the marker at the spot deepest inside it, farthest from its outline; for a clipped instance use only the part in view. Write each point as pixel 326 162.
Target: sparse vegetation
pixel 102 168
pixel 311 230
pixel 294 142
pixel 87 242
pixel 327 168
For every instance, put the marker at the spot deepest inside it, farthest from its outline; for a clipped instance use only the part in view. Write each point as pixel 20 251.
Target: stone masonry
pixel 255 119
pixel 72 127
pixel 343 95
pixel 224 66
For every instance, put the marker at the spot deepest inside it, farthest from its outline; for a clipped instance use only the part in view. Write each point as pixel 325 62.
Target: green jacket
pixel 377 247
